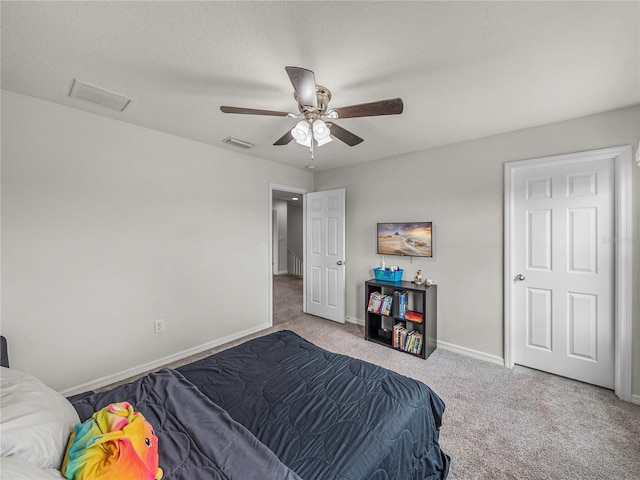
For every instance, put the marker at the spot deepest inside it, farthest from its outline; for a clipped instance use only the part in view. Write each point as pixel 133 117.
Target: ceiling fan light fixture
pixel 302 133
pixel 321 132
pixel 324 141
pixel 320 129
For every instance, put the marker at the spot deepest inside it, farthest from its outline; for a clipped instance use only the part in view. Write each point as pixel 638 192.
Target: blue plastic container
pixel 388 275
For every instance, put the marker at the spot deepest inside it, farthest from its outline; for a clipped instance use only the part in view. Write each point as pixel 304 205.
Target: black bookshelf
pixel 379 327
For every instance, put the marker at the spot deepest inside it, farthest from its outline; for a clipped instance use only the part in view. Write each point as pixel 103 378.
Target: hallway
pixel 287 297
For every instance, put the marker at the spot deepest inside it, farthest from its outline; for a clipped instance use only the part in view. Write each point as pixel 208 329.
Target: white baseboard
pixel 635 399
pixel 450 347
pixel 357 321
pixel 131 372
pixel 471 353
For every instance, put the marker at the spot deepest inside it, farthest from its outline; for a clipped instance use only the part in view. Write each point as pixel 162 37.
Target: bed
pixel 281 407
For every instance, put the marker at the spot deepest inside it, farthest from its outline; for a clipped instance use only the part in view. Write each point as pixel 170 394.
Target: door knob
pixel 340 262
pixel 520 277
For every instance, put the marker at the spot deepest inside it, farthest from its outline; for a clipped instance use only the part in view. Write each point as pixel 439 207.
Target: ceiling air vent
pixel 238 143
pixel 99 96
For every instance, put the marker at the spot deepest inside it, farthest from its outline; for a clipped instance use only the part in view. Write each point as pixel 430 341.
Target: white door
pixel 325 254
pixel 563 269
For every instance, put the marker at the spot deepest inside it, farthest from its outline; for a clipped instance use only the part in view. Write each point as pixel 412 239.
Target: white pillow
pixel 15 468
pixel 35 420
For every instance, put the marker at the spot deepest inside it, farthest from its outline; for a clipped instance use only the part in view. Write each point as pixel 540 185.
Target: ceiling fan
pixel 313 105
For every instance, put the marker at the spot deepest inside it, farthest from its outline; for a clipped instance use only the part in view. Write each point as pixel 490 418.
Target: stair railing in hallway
pixel 294 263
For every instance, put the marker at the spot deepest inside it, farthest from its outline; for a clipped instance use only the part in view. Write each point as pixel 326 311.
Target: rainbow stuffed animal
pixel 115 443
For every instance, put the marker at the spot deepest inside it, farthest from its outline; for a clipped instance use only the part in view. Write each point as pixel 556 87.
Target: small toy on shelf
pixel 418 278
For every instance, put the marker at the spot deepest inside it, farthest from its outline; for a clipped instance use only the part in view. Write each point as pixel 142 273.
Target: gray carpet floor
pixel 499 423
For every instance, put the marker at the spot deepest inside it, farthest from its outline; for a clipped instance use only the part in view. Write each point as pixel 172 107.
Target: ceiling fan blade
pixel 252 111
pixel 285 139
pixel 346 136
pixel 304 83
pixel 393 106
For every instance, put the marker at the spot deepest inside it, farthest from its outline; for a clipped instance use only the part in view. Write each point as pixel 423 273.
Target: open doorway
pixel 287 253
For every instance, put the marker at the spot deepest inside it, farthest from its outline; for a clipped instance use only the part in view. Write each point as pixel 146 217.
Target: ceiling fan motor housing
pixel 323 95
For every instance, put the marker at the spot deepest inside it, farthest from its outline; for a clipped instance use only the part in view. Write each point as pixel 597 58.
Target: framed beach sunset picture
pixel 411 239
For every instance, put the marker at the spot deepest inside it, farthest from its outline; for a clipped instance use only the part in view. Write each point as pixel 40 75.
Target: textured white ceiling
pixel 464 69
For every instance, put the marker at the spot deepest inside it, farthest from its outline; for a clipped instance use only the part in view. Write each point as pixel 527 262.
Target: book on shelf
pixel 408 340
pixel 380 303
pixel 400 297
pixel 374 302
pixel 386 305
pixel 416 317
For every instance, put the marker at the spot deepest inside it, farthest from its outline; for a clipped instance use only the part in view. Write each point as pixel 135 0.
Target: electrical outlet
pixel 158 326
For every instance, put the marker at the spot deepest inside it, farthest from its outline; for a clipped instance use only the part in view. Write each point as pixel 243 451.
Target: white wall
pixel 460 188
pixel 107 227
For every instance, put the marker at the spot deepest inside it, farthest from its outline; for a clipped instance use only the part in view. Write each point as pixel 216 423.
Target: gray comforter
pixel 197 439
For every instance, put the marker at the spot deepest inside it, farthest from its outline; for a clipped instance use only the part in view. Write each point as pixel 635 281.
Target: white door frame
pixel 275 251
pixel 283 188
pixel 623 256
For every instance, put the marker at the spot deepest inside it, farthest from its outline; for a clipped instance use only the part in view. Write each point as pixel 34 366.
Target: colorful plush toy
pixel 115 443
